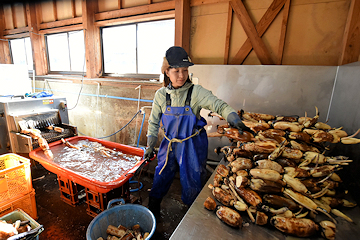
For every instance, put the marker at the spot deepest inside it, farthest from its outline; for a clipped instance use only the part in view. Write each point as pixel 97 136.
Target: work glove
pixel 234 121
pixel 151 142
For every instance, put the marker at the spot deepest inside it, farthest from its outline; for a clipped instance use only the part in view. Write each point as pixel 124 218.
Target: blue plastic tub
pixel 127 215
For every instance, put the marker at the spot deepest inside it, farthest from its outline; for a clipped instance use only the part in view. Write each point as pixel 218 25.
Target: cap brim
pixel 184 64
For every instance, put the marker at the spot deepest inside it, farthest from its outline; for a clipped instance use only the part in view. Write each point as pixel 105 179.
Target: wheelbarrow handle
pixel 112 201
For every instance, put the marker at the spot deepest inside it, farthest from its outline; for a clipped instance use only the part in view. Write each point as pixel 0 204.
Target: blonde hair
pixel 165 65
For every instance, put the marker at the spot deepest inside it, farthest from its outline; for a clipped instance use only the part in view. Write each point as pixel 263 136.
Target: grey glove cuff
pixel 151 141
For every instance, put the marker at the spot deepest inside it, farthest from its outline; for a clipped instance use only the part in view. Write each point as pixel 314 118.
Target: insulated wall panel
pixel 277 90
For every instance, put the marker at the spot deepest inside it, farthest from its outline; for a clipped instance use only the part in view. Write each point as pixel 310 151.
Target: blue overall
pixel 188 157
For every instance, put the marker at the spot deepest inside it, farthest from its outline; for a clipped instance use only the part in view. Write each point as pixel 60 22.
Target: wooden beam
pixel 73 9
pixel 228 34
pixel 283 32
pixel 351 41
pixel 70 28
pixel 16 30
pixel 13 15
pixel 261 28
pixel 138 18
pixel 182 24
pixel 194 3
pixel 38 13
pixel 17 35
pixel 155 7
pixel 119 4
pixel 61 23
pixel 37 41
pixel 24 12
pixel 5 56
pixel 259 47
pixel 55 10
pixel 92 40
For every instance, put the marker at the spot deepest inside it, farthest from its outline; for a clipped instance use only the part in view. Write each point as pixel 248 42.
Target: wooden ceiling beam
pixel 194 3
pixel 259 47
pixel 125 12
pixel 182 24
pixel 351 41
pixel 15 31
pixel 61 23
pixel 261 28
pixel 136 19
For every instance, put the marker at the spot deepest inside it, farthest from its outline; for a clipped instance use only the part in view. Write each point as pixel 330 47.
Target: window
pixel 137 48
pixel 66 52
pixel 21 52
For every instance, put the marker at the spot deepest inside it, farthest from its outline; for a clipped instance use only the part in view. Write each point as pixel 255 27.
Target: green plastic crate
pixel 19 214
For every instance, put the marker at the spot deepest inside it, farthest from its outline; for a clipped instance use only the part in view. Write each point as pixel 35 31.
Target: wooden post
pixel 92 40
pixel 228 34
pixel 182 24
pixel 351 42
pixel 5 57
pixel 283 32
pixel 37 41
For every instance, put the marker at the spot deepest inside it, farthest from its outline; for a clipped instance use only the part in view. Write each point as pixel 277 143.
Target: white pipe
pixel 138 108
pixel 97 107
pixel 33 81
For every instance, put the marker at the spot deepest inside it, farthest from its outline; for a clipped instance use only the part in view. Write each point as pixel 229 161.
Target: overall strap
pixel 188 97
pixel 168 100
pixel 187 101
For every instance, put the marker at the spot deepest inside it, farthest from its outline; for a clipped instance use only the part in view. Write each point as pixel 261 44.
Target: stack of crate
pixel 16 190
pixel 97 202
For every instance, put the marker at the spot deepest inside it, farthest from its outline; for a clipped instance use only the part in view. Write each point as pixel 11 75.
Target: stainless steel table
pixel 200 223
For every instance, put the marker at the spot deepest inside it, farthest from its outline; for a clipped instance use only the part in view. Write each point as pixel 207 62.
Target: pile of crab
pixel 279 174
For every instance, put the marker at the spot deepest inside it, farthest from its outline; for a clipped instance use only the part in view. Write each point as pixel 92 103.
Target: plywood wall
pixel 314 35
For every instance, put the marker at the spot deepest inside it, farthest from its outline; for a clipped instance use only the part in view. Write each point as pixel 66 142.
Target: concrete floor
pixel 63 221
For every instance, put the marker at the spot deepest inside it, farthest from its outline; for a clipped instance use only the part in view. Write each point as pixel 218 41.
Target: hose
pixel 142 124
pixel 119 129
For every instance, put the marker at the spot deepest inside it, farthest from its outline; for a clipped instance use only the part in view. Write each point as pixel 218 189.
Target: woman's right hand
pixel 149 153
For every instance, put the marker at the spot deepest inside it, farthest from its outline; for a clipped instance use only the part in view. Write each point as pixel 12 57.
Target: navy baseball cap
pixel 178 57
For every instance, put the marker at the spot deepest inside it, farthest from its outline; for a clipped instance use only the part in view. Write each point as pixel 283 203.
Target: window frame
pixel 26 57
pixel 76 73
pixel 132 75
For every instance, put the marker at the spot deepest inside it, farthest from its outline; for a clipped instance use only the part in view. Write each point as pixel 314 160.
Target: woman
pixel 185 145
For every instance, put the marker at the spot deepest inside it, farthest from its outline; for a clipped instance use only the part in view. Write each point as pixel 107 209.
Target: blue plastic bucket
pixel 127 215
